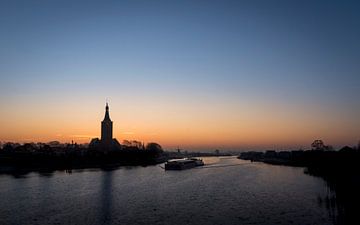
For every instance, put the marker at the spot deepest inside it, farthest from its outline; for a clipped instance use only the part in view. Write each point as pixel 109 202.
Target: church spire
pixel 107 116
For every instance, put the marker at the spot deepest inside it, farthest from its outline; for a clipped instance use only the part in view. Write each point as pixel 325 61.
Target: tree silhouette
pixel 154 147
pixel 318 145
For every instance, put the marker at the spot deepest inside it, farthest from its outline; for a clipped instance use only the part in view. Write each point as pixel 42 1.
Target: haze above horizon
pixel 194 74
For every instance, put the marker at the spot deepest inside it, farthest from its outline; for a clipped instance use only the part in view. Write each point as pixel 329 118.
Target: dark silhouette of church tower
pixel 106 128
pixel 107 142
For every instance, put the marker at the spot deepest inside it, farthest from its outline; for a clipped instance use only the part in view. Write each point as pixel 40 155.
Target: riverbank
pixel 21 161
pixel 344 159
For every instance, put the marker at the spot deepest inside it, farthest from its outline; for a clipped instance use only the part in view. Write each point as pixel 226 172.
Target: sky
pixel 198 75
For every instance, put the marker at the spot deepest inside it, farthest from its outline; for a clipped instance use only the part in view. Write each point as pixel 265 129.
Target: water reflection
pixel 106 197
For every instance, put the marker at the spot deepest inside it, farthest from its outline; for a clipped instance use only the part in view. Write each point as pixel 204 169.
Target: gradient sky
pixel 233 75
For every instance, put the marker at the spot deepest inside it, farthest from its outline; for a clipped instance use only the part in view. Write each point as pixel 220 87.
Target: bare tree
pixel 133 143
pixel 126 143
pixel 318 145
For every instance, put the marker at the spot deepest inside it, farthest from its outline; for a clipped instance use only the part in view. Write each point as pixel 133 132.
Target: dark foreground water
pixel 251 193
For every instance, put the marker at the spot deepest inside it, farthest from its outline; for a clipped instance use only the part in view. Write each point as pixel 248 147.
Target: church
pixel 107 142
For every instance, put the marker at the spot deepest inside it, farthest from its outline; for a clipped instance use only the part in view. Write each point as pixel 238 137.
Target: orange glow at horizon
pixel 189 126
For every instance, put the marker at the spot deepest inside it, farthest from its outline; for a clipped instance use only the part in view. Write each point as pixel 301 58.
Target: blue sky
pixel 296 54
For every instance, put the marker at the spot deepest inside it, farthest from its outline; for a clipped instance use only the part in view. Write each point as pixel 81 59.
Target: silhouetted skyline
pixel 194 74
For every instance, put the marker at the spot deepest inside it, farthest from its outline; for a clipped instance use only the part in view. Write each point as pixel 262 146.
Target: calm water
pixel 251 193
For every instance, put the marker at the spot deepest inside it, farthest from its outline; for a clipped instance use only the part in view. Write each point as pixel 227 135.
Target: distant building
pixel 107 142
pixel 270 154
pixel 347 149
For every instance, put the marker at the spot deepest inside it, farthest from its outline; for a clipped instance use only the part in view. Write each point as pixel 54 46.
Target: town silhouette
pixel 105 152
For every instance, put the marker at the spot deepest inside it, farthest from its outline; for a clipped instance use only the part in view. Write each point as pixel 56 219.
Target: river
pixel 226 191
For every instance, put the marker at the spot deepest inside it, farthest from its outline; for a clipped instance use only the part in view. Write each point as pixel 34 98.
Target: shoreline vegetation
pixel 339 169
pixel 322 161
pixel 22 159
